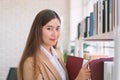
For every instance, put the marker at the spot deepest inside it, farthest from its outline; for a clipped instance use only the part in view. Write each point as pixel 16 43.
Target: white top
pixel 54 60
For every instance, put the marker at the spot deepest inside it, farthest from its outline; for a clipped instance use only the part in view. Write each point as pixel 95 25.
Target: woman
pixel 41 60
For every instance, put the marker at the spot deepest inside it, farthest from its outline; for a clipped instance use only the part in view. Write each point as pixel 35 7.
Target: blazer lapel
pixel 46 61
pixel 63 65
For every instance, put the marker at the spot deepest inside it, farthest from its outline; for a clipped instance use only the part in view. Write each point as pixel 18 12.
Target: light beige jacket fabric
pixel 46 71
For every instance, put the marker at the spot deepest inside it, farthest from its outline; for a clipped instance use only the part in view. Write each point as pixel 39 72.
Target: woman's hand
pixel 84 73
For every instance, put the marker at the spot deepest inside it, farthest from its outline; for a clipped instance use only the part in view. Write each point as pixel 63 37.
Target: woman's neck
pixel 48 48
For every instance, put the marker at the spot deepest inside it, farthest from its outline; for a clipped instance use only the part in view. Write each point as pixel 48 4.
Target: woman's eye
pixel 48 28
pixel 58 29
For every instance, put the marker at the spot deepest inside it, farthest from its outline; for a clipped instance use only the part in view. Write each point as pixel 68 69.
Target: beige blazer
pixel 46 71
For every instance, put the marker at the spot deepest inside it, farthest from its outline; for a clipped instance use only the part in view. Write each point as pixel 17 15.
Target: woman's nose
pixel 55 33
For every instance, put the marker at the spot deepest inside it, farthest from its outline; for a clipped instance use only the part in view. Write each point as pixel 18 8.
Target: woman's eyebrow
pixel 58 26
pixel 53 26
pixel 49 26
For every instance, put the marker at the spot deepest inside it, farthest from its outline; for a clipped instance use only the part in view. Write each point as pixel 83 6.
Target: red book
pixel 96 67
pixel 73 65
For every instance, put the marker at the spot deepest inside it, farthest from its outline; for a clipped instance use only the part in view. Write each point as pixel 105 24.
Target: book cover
pixel 73 65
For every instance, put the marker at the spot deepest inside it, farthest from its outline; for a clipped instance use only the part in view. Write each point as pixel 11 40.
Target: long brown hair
pixel 35 37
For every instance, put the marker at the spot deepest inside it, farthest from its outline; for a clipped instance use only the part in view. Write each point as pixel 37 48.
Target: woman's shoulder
pixel 29 61
pixel 28 69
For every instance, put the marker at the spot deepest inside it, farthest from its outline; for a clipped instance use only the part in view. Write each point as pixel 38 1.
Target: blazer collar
pixel 63 65
pixel 44 59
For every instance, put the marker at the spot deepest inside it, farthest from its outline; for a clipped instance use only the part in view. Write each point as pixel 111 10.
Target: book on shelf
pixel 113 14
pixel 100 16
pixel 78 34
pixel 108 70
pixel 82 25
pixel 106 25
pixel 110 15
pixel 104 19
pixel 91 32
pixel 95 18
pixel 87 26
pixel 111 4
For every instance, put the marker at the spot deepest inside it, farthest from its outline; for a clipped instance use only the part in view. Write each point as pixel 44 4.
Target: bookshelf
pixel 98 24
pixel 109 36
pixel 112 35
pixel 103 30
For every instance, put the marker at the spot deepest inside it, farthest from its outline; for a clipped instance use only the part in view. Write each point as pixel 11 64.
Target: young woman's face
pixel 51 33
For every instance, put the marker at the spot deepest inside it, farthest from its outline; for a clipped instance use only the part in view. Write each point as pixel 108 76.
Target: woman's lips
pixel 53 39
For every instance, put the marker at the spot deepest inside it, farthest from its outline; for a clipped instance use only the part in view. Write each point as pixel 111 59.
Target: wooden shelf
pixel 102 37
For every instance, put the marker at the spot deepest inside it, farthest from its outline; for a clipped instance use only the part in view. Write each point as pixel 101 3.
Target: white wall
pixel 16 17
pixel 76 9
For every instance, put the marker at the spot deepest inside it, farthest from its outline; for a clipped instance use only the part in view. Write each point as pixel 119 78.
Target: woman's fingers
pixel 85 72
pixel 85 69
pixel 86 65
